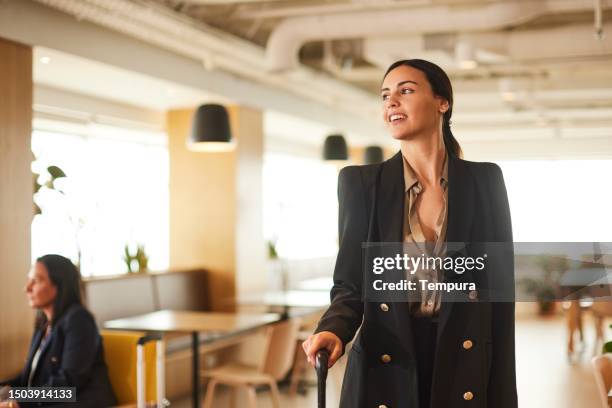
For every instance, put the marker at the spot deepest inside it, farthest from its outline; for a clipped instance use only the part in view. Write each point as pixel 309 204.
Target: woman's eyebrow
pixel 399 84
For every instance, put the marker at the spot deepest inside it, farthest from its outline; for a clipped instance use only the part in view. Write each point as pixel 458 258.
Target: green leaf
pixel 607 347
pixel 56 172
pixel 37 185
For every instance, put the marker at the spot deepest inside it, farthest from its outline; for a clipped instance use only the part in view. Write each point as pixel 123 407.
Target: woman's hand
pixel 323 340
pixel 9 404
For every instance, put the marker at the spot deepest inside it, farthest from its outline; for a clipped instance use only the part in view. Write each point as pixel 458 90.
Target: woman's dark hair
pixel 67 280
pixel 441 86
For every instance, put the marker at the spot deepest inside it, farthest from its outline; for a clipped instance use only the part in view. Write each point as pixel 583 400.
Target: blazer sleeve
pixel 502 381
pixel 344 315
pixel 81 339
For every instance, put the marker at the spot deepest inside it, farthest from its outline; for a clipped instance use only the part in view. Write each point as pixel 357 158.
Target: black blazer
pixel 73 356
pixel 371 199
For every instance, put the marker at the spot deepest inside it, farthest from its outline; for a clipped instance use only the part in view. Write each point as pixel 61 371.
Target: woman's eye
pixel 385 97
pixel 407 90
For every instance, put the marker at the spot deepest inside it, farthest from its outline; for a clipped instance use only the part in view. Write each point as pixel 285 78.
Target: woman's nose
pixel 391 102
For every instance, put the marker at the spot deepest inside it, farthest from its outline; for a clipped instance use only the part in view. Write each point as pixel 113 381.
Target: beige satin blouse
pixel 415 242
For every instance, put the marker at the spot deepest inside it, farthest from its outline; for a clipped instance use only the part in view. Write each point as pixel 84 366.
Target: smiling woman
pixel 426 195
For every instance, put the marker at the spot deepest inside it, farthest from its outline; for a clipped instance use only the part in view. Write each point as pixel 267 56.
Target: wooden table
pixel 214 326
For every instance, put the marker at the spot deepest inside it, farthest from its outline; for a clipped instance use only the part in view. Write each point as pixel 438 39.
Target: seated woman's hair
pixel 65 276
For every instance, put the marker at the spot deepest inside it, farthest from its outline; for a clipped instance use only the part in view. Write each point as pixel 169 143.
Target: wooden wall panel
pixel 202 209
pixel 16 318
pixel 216 206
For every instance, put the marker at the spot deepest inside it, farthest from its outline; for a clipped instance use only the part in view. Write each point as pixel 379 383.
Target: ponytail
pixel 451 144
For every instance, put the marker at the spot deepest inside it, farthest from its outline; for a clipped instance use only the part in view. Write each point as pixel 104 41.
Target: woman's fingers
pixel 323 340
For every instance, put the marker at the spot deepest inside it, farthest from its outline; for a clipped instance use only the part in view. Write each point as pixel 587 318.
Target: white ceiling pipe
pixel 325 8
pixel 288 37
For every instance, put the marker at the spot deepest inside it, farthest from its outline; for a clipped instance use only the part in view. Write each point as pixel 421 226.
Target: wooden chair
pixel 602 368
pixel 278 358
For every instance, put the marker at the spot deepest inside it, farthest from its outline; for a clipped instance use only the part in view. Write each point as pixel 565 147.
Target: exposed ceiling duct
pixel 288 36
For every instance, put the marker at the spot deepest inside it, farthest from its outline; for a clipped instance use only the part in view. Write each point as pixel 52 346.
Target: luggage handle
pixel 160 371
pixel 321 362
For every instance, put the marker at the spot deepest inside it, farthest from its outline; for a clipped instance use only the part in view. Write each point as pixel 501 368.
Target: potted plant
pixel 546 288
pixel 138 262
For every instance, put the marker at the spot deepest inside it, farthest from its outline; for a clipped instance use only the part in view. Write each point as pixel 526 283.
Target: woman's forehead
pixel 40 269
pixel 404 73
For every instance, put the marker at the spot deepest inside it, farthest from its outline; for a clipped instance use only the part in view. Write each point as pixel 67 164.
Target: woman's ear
pixel 443 105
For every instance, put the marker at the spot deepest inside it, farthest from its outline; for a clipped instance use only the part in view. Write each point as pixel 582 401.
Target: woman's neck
pixel 48 311
pixel 425 154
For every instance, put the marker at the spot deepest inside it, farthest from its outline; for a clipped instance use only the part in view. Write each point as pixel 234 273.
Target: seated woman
pixel 66 349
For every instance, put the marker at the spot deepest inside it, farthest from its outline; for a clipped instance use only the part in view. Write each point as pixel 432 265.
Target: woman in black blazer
pixel 66 349
pixel 464 354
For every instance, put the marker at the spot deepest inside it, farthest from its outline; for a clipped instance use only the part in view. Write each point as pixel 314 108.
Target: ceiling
pixel 56 69
pixel 537 64
pixel 521 65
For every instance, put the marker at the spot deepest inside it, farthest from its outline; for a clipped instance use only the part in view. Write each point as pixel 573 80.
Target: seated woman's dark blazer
pixel 479 374
pixel 72 357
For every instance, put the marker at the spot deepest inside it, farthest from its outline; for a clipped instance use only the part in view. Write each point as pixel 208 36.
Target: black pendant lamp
pixel 335 148
pixel 210 131
pixel 373 155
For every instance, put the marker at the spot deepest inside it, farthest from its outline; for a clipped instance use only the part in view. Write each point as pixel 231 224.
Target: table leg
pixel 195 346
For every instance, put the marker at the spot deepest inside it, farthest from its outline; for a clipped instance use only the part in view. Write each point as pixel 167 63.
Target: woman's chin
pixel 399 134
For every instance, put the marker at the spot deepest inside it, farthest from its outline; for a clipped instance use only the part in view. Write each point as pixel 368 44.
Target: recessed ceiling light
pixel 45 60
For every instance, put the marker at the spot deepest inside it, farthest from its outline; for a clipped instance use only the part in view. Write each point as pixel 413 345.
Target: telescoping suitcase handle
pixel 162 402
pixel 321 362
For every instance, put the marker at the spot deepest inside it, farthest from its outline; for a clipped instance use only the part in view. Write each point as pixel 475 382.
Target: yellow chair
pixel 127 351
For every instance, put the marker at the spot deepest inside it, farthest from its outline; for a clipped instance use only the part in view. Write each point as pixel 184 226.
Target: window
pixel 115 193
pixel 559 200
pixel 300 206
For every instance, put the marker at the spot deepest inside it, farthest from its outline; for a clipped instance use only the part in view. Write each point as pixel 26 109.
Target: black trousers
pixel 425 330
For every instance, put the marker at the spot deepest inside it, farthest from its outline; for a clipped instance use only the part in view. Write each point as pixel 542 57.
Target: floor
pixel 545 375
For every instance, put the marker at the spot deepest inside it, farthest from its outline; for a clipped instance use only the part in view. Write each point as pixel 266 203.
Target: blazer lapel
pixel 33 347
pixel 48 341
pixel 390 200
pixel 459 222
